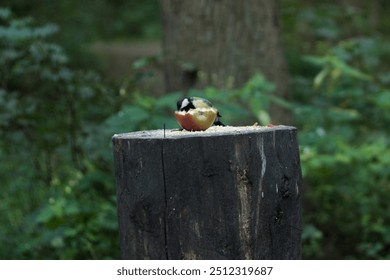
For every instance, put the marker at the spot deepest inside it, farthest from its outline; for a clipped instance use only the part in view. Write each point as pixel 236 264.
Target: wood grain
pixel 222 195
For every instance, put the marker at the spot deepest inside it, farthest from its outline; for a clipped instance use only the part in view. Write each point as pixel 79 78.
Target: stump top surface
pixel 212 131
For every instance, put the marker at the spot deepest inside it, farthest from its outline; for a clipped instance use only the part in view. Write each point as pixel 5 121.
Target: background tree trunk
pixel 224 43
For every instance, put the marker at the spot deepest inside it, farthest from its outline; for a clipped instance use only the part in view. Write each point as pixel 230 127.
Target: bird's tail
pixel 218 122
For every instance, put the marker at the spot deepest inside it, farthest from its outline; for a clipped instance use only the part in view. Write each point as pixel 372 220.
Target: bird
pixel 196 114
pixel 188 103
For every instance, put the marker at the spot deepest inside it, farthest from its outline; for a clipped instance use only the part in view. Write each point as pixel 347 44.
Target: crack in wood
pixel 165 201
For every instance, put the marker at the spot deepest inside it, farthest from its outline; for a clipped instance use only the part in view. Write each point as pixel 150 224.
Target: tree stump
pixel 226 193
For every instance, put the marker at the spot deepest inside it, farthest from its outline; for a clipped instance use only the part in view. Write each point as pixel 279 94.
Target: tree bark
pixel 209 195
pixel 224 43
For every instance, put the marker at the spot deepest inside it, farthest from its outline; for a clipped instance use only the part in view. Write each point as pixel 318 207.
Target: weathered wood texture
pixel 228 195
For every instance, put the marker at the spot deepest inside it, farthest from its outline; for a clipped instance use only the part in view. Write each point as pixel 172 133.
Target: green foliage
pixel 341 82
pixel 145 112
pixel 343 124
pixel 83 22
pixel 79 222
pixel 48 110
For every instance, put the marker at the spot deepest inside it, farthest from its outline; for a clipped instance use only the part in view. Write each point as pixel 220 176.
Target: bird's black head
pixel 178 104
pixel 185 104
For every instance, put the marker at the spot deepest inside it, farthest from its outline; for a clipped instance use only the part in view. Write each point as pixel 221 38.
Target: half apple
pixel 196 119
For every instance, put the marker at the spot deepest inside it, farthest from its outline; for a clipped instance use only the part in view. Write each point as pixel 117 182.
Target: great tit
pixel 188 103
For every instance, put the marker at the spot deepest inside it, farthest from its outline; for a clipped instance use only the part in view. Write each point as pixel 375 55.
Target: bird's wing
pixel 201 102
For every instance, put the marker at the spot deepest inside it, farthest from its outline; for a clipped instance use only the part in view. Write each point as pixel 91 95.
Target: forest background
pixel 73 73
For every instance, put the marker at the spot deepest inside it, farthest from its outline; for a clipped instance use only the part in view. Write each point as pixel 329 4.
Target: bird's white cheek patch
pixel 184 103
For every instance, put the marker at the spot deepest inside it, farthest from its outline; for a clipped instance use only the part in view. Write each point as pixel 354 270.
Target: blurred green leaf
pixel 168 101
pixel 264 117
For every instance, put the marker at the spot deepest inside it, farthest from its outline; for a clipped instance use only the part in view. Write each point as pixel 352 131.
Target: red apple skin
pixel 196 121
